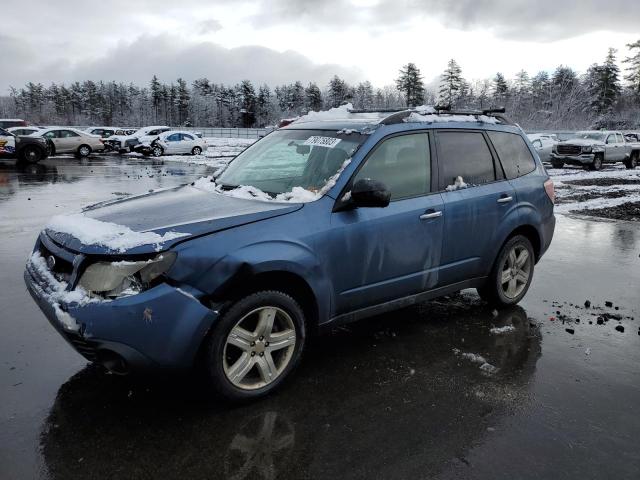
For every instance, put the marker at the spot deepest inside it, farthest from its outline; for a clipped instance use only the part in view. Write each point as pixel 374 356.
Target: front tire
pixel 157 151
pixel 557 164
pixel 255 346
pixel 196 151
pixel 511 274
pixel 31 154
pixel 597 163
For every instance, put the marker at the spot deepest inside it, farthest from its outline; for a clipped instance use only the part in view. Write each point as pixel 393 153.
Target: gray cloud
pixel 168 58
pixel 210 25
pixel 541 20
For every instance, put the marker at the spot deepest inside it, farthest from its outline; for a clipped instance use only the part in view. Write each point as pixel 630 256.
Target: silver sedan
pixel 71 140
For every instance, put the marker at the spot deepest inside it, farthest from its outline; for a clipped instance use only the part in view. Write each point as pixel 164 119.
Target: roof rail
pixel 397 115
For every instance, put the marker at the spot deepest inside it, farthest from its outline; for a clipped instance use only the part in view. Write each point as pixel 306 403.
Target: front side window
pixel 286 159
pixel 514 154
pixel 173 138
pixel 50 135
pixel 537 144
pixel 612 138
pixel 466 155
pixel 402 163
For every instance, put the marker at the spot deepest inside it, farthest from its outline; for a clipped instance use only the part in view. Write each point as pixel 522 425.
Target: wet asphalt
pixel 390 397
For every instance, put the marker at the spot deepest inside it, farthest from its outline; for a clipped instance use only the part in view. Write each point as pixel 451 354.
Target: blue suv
pixel 338 217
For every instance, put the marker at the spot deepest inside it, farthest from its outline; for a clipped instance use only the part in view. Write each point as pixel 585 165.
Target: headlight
pixel 112 279
pixel 587 149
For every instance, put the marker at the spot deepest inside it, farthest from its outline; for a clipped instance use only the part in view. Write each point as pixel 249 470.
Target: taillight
pixel 551 193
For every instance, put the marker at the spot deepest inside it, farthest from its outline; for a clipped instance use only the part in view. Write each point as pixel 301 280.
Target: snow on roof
pixel 430 117
pixel 113 236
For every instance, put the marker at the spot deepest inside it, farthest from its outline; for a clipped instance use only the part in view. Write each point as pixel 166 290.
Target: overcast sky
pixel 279 41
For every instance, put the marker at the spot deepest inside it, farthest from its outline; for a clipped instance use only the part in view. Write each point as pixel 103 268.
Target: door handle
pixel 505 199
pixel 430 214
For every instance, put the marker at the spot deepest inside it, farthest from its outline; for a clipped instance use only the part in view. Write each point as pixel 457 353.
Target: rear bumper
pixel 161 328
pixel 546 234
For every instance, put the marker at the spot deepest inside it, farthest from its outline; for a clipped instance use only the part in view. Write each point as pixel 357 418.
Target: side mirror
pixel 370 193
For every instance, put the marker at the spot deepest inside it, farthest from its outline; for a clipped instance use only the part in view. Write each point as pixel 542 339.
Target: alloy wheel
pixel 516 271
pixel 259 347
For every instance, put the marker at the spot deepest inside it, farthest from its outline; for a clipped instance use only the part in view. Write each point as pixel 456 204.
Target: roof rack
pixel 398 115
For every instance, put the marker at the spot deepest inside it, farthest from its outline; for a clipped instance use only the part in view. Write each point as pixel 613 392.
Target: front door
pixel 477 198
pixel 172 143
pixel 381 254
pixel 7 144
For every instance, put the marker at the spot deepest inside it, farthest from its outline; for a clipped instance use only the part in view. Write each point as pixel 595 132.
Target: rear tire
pixel 632 162
pixel 83 151
pixel 196 151
pixel 255 346
pixel 511 274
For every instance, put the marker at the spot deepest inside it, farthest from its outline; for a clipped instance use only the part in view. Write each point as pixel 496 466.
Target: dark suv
pixel 335 218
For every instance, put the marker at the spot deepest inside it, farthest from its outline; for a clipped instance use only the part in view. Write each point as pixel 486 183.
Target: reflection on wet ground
pixel 367 398
pixel 394 397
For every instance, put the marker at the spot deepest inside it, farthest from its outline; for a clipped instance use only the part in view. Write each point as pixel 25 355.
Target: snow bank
pixel 115 237
pixel 502 330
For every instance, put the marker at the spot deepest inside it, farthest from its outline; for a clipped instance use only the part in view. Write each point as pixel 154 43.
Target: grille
pixel 569 149
pixel 83 347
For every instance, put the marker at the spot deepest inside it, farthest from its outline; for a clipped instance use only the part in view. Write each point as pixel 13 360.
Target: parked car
pixel 319 223
pixel 105 132
pixel 24 130
pixel 12 122
pixel 126 143
pixel 22 147
pixel 592 149
pixel 71 140
pixel 173 143
pixel 543 143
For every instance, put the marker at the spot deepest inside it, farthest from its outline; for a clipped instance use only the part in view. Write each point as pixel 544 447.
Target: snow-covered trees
pixel 633 68
pixel 410 83
pixel 337 92
pixel 452 84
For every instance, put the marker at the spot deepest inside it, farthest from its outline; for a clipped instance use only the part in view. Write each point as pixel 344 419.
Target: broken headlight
pixel 113 279
pixel 587 149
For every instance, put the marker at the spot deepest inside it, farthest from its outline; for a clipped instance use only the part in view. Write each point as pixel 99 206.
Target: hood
pixel 185 210
pixel 587 142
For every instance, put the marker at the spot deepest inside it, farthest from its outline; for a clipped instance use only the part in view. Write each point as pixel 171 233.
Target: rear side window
pixel 514 154
pixel 186 137
pixel 402 163
pixel 466 155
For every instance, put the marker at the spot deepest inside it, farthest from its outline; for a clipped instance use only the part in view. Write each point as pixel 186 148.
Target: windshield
pixel 286 159
pixel 591 135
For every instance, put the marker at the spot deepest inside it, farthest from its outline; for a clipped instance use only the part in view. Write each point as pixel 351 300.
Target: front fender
pixel 233 271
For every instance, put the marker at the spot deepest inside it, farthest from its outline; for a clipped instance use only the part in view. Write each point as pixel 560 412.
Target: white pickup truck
pixel 592 149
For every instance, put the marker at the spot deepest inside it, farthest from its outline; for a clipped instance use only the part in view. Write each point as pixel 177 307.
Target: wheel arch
pixel 531 233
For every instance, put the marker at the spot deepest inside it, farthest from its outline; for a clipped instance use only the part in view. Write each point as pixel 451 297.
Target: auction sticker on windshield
pixel 318 141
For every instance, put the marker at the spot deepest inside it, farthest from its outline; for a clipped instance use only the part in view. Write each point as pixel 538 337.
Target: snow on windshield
pixel 113 236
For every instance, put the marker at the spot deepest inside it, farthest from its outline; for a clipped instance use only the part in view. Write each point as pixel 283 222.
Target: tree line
pixel 603 97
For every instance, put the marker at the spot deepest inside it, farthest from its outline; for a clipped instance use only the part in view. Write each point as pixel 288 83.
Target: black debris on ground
pixel 570 330
pixel 626 211
pixel 603 182
pixel 620 328
pixel 608 304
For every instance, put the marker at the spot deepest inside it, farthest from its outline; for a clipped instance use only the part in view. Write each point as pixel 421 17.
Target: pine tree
pixel 500 88
pixel 411 85
pixel 633 75
pixel 313 98
pixel 182 102
pixel 363 97
pixel 451 84
pixel 156 97
pixel 263 106
pixel 248 102
pixel 602 82
pixel 338 92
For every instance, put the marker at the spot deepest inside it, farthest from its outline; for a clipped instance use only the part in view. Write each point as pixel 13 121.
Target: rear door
pixel 188 142
pixel 68 141
pixel 387 253
pixel 477 200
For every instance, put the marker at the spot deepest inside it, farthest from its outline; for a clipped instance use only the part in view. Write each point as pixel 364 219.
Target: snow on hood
pixel 582 141
pixel 111 235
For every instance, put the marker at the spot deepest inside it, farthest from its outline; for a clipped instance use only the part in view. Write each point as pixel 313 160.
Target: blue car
pixel 332 219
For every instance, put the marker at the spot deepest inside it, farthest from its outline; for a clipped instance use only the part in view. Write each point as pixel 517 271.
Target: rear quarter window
pixel 514 154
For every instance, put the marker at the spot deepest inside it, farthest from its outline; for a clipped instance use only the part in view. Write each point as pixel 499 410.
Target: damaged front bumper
pixel 162 327
pixel 581 159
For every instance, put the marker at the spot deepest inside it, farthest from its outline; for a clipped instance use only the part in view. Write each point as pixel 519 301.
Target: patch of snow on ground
pixel 115 237
pixel 502 330
pixel 485 366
